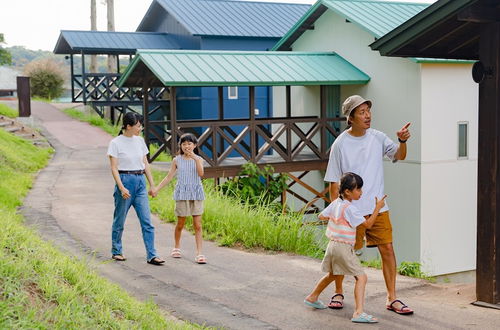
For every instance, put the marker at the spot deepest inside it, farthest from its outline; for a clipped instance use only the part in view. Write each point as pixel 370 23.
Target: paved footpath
pixel 71 205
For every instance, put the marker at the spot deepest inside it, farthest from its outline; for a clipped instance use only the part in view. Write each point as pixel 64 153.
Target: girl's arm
pixel 322 217
pixel 371 219
pixel 199 165
pixel 168 177
pixel 149 176
pixel 114 170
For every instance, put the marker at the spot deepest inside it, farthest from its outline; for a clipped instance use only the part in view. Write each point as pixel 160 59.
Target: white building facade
pixel 432 194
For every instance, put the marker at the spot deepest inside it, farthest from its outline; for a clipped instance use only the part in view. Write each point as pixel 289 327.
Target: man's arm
pixel 403 136
pixel 333 190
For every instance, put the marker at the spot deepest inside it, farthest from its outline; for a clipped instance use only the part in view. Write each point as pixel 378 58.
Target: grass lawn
pixel 231 223
pixel 7 111
pixel 105 125
pixel 41 287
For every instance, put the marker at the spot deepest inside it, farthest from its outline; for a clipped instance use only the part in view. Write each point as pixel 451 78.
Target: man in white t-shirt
pixel 361 150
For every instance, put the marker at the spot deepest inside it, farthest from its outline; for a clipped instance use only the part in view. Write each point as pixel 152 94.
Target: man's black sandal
pixel 156 261
pixel 118 257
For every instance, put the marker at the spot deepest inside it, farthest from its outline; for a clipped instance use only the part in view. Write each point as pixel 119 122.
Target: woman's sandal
pixel 336 304
pixel 200 259
pixel 118 257
pixel 176 253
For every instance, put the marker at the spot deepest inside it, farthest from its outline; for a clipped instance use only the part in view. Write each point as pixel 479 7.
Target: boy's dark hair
pixel 349 181
pixel 130 118
pixel 188 137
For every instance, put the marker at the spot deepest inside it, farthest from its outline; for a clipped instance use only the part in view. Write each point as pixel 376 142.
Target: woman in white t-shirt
pixel 127 154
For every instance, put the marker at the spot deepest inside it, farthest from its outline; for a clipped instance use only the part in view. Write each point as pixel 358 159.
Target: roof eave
pixel 128 71
pixel 396 39
pixel 295 32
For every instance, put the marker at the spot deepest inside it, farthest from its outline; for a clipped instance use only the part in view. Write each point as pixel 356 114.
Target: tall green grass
pixel 7 111
pixel 42 288
pixel 231 223
pixel 95 120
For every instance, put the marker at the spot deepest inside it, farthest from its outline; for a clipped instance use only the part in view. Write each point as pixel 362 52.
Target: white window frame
pixel 466 123
pixel 232 96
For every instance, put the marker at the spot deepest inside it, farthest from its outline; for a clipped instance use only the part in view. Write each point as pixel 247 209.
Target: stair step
pixel 26 135
pixel 12 129
pixel 5 123
pixel 41 144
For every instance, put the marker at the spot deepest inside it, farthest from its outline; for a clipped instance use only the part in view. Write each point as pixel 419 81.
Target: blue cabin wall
pixel 202 102
pixel 157 19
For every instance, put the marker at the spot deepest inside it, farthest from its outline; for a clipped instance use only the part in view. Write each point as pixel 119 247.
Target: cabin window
pixel 463 140
pixel 232 92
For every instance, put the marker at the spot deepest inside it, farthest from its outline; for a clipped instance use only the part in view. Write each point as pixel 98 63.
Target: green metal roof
pixel 375 17
pixel 237 68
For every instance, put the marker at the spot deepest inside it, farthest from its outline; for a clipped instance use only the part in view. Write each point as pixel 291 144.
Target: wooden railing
pixel 285 139
pixel 101 89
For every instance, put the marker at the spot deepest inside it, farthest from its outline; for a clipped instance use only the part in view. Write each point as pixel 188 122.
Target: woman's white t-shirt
pixel 129 151
pixel 363 156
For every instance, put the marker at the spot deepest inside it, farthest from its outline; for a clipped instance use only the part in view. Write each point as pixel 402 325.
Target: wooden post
pixel 323 122
pixel 220 92
pixel 488 180
pixel 288 107
pixel 145 112
pixel 253 135
pixel 84 78
pixel 173 121
pixel 23 96
pixel 73 99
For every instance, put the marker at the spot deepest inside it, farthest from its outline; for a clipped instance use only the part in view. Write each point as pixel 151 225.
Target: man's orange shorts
pixel 379 233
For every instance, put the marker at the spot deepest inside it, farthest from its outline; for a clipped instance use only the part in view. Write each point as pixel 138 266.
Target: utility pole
pixel 93 27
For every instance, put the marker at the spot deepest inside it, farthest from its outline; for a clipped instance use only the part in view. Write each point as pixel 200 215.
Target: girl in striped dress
pixel 188 193
pixel 340 259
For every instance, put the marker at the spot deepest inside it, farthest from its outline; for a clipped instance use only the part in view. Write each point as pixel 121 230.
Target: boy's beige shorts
pixel 340 259
pixel 188 208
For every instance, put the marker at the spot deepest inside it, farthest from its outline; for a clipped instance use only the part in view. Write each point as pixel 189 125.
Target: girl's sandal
pixel 176 253
pixel 200 259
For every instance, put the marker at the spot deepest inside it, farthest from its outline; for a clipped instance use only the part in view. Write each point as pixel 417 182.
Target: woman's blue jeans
pixel 136 185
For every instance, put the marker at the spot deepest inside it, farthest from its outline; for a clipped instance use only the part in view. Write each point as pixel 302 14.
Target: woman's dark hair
pixel 131 119
pixel 188 137
pixel 349 181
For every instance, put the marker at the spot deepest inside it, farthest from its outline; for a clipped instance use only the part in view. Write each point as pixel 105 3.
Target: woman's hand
pixel 125 193
pixel 153 192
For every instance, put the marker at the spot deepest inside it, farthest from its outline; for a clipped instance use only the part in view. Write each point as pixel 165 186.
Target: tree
pixel 5 56
pixel 93 27
pixel 46 78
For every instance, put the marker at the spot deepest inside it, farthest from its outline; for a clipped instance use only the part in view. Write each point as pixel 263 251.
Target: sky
pixel 36 24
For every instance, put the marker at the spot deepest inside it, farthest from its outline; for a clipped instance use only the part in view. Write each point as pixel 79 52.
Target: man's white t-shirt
pixel 363 156
pixel 129 151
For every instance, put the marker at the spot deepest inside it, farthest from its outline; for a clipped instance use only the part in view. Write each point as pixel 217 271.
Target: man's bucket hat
pixel 351 103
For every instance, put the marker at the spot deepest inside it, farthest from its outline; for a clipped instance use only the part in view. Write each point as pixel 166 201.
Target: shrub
pixel 46 78
pixel 255 185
